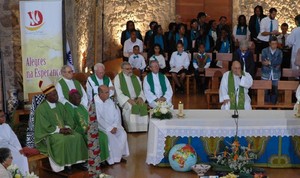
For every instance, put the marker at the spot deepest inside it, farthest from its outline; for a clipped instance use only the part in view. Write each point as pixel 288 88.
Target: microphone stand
pixel 235 115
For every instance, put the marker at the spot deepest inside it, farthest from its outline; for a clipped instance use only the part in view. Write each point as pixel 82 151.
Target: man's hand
pixel 139 100
pixel 162 99
pixel 114 130
pixel 226 101
pixel 131 101
pixel 265 62
pixel 65 131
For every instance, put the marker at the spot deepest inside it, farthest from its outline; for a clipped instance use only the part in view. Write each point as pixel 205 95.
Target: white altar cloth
pixel 218 123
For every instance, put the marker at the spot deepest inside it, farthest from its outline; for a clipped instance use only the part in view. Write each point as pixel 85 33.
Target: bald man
pixel 109 120
pixel 234 87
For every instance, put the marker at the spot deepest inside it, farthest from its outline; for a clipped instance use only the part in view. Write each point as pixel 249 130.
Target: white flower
pixel 31 175
pixel 164 110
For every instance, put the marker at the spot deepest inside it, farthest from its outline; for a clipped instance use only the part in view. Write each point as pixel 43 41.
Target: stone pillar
pixel 10 46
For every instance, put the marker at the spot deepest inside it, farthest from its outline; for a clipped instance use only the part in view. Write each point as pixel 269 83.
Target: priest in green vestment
pixel 54 131
pixel 157 86
pixel 97 79
pixel 67 83
pixel 80 115
pixel 131 99
pixel 233 92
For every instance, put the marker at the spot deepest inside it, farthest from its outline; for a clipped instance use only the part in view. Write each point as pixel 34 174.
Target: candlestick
pixel 180 109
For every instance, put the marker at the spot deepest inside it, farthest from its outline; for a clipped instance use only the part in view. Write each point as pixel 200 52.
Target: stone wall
pixel 286 9
pixel 117 13
pixel 10 46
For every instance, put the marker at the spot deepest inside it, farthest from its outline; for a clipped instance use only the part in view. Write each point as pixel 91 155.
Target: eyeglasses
pixel 69 72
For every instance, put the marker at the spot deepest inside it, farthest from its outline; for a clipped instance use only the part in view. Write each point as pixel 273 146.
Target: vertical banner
pixel 42 42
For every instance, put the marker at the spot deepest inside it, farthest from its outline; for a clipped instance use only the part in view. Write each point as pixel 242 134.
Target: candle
pixel 86 69
pixel 180 109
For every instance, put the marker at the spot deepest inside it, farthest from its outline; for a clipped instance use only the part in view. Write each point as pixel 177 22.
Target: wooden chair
pixel 225 58
pixel 260 86
pixel 31 95
pixel 82 78
pixel 214 83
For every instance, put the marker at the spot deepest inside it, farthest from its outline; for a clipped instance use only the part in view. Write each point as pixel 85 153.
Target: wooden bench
pixel 214 84
pixel 260 86
pixel 286 87
pixel 225 58
pixel 286 72
pixel 38 159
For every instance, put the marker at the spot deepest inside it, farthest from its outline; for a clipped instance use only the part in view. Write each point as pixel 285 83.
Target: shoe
pixel 81 166
pixel 68 169
pixel 123 160
pixel 104 164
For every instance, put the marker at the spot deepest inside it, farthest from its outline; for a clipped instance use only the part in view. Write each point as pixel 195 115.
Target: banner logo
pixel 36 20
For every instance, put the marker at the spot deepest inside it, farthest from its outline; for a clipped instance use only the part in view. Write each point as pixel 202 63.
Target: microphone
pixel 235 112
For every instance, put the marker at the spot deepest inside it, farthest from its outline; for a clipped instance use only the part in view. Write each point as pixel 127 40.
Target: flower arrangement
pixel 237 159
pixel 162 110
pixel 15 172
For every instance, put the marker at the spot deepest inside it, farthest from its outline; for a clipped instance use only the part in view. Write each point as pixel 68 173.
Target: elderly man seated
pixel 67 83
pixel 97 79
pixel 131 99
pixel 234 87
pixel 157 86
pixel 109 120
pixel 54 132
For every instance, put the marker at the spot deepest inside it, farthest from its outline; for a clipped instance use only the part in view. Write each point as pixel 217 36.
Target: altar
pixel 274 135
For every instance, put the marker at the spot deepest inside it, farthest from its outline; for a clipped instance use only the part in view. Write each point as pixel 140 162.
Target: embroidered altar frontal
pixel 275 152
pixel 274 136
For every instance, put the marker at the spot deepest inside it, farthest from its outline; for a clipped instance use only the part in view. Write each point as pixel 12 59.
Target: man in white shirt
pixel 293 41
pixel 268 28
pixel 286 50
pixel 157 86
pixel 66 84
pixel 131 99
pixel 109 119
pixel 97 79
pixel 130 43
pixel 234 88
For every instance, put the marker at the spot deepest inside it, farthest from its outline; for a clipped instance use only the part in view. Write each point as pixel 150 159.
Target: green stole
pixel 105 81
pixel 232 93
pixel 65 88
pixel 161 81
pixel 139 109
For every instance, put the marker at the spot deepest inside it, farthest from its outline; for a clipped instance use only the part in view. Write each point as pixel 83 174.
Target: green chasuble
pixel 81 116
pixel 138 109
pixel 65 88
pixel 162 82
pixel 232 93
pixel 63 149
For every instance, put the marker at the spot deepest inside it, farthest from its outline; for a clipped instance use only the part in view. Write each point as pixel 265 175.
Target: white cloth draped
pixel 293 40
pixel 245 81
pixel 108 116
pixel 71 85
pixel 157 89
pixel 8 139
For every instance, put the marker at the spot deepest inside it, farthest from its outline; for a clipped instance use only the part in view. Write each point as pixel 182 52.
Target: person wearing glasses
pixel 131 99
pixel 66 84
pixel 8 139
pixel 5 161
